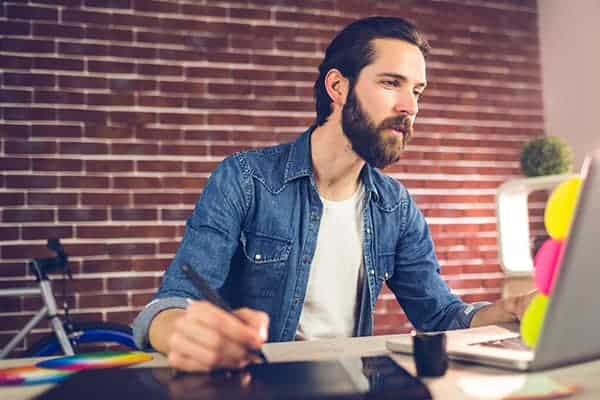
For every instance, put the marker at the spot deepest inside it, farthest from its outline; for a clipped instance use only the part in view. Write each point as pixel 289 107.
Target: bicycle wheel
pixel 86 333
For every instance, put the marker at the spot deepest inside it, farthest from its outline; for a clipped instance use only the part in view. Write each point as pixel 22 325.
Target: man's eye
pixel 419 95
pixel 390 83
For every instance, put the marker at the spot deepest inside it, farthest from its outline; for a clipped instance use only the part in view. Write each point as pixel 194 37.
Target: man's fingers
pixel 194 336
pixel 228 325
pixel 202 358
pixel 257 319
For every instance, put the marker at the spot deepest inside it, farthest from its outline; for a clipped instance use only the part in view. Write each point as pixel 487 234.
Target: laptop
pixel 570 330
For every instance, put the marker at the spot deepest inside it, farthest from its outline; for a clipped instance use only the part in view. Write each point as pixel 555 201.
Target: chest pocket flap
pixel 261 248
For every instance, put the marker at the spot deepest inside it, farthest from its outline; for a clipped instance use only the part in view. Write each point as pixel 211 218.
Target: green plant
pixel 547 155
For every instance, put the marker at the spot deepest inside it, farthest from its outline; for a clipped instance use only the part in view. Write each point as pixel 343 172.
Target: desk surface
pixel 450 386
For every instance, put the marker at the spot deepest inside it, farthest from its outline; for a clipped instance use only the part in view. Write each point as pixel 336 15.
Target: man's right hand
pixel 204 337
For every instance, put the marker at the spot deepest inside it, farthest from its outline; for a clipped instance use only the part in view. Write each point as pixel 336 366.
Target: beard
pixel 369 141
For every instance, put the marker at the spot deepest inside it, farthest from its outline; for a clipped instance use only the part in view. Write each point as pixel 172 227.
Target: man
pixel 302 236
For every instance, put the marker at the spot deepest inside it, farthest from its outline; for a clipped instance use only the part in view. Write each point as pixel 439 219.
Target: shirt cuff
pixel 467 314
pixel 142 321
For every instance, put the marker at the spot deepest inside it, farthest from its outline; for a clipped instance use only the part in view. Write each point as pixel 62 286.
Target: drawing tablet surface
pixel 352 378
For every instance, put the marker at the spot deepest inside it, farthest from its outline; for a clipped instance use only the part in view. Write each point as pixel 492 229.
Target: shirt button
pixel 258 257
pixel 386 276
pixel 368 230
pixel 296 301
pixel 305 259
pixel 372 272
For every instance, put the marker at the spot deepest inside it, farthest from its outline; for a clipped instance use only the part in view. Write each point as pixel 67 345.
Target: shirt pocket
pixel 264 268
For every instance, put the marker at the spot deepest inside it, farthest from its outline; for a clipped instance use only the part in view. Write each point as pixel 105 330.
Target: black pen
pixel 213 297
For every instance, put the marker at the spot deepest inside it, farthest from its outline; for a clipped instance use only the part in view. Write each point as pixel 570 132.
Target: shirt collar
pixel 299 164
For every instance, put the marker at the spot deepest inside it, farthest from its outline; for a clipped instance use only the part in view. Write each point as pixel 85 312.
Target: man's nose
pixel 407 103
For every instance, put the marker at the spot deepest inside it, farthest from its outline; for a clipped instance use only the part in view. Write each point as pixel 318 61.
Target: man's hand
pixel 510 309
pixel 517 305
pixel 204 337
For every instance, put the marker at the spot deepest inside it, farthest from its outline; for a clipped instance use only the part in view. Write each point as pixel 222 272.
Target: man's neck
pixel 336 166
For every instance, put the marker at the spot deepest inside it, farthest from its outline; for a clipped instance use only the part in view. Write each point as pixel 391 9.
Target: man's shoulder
pixel 265 164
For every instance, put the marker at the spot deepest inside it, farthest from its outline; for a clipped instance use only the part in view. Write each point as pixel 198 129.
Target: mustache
pixel 402 124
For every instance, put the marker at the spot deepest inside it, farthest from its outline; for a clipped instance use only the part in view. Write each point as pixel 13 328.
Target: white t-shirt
pixel 330 305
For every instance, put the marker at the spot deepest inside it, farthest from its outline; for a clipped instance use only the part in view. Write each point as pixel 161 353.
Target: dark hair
pixel 352 50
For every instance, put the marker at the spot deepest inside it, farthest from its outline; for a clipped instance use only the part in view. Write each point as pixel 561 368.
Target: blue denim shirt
pixel 253 234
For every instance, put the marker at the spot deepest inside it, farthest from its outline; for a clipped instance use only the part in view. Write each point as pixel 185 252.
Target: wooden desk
pixel 447 387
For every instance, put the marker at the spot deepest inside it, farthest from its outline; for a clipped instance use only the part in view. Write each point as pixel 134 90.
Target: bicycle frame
pixel 49 310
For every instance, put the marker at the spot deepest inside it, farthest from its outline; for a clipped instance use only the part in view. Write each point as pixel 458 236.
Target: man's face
pixel 381 108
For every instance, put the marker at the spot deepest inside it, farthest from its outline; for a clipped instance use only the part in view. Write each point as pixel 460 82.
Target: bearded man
pixel 300 237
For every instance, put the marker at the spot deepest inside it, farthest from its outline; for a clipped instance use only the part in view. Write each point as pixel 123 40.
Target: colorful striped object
pixel 30 375
pixel 104 359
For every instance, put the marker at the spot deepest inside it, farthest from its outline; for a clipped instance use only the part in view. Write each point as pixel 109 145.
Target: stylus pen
pixel 213 297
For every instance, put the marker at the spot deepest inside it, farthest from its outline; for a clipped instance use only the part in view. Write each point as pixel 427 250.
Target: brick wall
pixel 115 112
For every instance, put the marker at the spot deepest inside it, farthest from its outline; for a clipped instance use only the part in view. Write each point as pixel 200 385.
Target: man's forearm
pixel 161 327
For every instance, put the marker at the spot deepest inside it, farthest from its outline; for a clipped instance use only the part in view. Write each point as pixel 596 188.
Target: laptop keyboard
pixel 513 343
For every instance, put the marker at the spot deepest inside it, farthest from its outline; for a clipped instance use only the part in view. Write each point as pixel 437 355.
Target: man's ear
pixel 337 87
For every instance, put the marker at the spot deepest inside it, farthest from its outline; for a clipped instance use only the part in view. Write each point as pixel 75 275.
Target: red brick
pixel 107 265
pixel 15 131
pixel 40 198
pixel 109 99
pixel 56 30
pixel 168 247
pixel 112 35
pixel 183 150
pixel 12 198
pixel 27 45
pixel 93 116
pixel 159 166
pixel 128 283
pixel 91 17
pixel 203 10
pixel 111 199
pixel 84 49
pixel 146 149
pixel 156 198
pixel 29 114
pixel 46 232
pixel 54 131
pixel 29 12
pixel 130 51
pixel 182 183
pixel 124 4
pixel 103 300
pixel 31 182
pixel 82 214
pixel 133 118
pixel 15 96
pixel 162 134
pixel 55 164
pixel 82 82
pixel 141 299
pixel 110 67
pixel 175 214
pixel 159 69
pixel 122 317
pixel 133 214
pixel 14 164
pixel 109 132
pixel 15 28
pixel 109 166
pixel 161 101
pixel 88 182
pixel 137 183
pixel 55 97
pixel 83 148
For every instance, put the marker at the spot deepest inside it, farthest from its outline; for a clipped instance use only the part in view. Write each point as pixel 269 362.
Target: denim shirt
pixel 253 234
